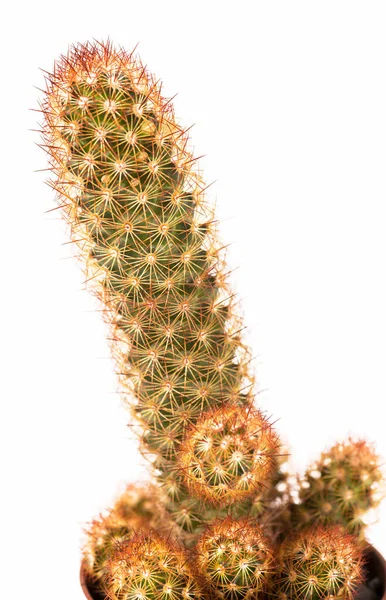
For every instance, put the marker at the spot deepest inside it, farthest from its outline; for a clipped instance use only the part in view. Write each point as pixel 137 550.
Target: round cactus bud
pixel 229 454
pixel 342 486
pixel 150 567
pixel 141 505
pixel 103 537
pixel 318 564
pixel 138 507
pixel 234 559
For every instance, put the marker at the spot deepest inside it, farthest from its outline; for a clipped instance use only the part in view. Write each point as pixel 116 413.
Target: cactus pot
pixel 374 587
pixel 89 591
pixel 375 577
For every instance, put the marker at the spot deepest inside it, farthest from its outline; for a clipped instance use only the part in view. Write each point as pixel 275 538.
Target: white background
pixel 289 105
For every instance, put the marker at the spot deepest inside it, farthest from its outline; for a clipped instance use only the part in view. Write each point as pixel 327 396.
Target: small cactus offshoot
pixel 341 487
pixel 150 567
pixel 139 507
pixel 319 564
pixel 229 454
pixel 235 560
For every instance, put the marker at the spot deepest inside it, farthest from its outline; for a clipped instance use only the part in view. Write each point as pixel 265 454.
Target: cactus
pixel 139 507
pixel 150 567
pixel 127 186
pixel 234 559
pixel 134 199
pixel 341 487
pixel 228 452
pixel 320 563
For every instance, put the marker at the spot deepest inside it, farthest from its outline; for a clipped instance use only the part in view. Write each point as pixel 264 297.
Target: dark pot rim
pixel 83 582
pixel 379 567
pixel 89 592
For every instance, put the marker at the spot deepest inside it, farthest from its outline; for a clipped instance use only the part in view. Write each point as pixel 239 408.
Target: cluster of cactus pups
pixel 219 519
